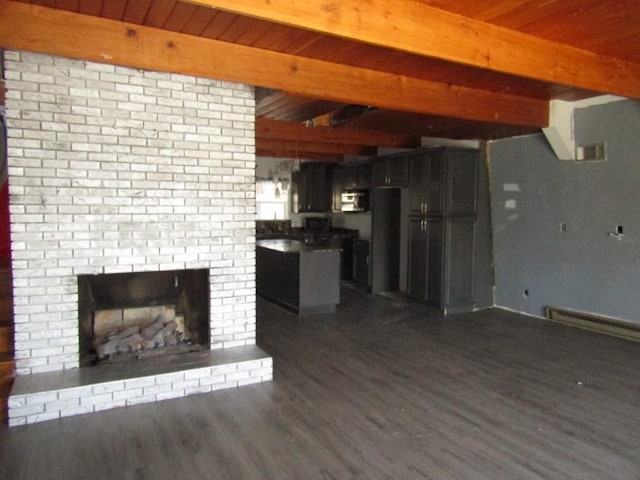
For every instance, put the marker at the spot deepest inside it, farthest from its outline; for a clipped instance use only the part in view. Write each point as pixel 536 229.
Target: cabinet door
pixel 317 188
pixel 379 173
pixel 435 251
pixel 363 176
pixel 435 183
pixel 351 177
pixel 426 183
pixel 462 179
pixel 417 180
pixel 425 259
pixel 459 261
pixel 398 171
pixel 417 281
pixel 312 188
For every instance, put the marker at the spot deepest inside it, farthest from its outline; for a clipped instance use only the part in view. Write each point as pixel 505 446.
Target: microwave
pixel 317 224
pixel 355 201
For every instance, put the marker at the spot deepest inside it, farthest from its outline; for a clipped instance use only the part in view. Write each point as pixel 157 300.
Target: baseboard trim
pixel 595 323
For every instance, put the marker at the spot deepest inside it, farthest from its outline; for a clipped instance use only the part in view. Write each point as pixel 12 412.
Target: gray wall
pixel 533 193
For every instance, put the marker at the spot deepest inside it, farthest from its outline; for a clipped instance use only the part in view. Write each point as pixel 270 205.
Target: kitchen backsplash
pixel 354 221
pixel 270 227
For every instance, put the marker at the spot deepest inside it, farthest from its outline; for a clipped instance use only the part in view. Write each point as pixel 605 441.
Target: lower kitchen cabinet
pixel 425 265
pixel 441 259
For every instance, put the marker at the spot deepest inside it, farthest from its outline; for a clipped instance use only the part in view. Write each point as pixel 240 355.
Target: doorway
pixel 388 235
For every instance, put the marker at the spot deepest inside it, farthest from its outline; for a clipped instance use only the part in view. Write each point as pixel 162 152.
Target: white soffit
pixel 560 132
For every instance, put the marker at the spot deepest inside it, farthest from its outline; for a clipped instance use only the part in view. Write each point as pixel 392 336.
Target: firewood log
pixel 149 332
pixel 127 332
pixel 107 349
pixel 132 343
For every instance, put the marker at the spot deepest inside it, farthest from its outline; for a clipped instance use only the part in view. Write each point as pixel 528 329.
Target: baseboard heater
pixel 595 323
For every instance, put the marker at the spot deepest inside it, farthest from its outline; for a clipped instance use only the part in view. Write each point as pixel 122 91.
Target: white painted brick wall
pixel 120 170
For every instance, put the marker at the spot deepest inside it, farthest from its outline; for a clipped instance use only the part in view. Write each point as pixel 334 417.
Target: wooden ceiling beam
pixel 277 152
pixel 320 147
pixel 274 129
pixel 57 32
pixel 417 28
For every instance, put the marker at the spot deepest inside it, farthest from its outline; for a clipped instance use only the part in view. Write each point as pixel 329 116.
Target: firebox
pixel 127 316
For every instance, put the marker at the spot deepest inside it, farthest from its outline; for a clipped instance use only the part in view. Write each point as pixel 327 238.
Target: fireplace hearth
pixel 135 316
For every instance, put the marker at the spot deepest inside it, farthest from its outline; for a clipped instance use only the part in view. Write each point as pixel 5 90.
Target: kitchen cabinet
pixel 443 181
pixel 425 259
pixel 391 171
pixel 442 227
pixel 342 242
pixel 426 184
pixel 299 277
pixel 349 177
pixel 441 261
pixel 311 188
pixel 357 176
pixel 461 182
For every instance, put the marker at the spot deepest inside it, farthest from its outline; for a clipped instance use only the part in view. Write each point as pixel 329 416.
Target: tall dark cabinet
pixel 443 188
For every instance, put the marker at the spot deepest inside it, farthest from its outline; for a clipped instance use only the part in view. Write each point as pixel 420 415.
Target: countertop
pixel 292 246
pixel 295 233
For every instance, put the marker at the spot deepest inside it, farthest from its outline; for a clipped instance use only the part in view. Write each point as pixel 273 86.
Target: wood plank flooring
pixel 382 389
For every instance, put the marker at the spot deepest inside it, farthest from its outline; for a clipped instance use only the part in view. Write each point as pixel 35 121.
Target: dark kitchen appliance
pixel 361 262
pixel 355 200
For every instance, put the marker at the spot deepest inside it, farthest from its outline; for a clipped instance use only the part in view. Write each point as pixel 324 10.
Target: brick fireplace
pixel 116 171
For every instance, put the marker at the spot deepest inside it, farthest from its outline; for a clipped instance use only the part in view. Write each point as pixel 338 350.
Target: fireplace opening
pixel 132 316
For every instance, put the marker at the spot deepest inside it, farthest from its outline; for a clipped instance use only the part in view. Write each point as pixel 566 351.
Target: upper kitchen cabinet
pixel 443 181
pixel 359 177
pixel 391 171
pixel 426 183
pixel 312 188
pixel 461 182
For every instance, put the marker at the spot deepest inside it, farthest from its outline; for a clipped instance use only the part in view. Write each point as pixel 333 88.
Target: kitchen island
pixel 302 278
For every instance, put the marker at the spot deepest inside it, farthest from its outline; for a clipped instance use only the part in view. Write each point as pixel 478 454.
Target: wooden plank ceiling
pixel 343 77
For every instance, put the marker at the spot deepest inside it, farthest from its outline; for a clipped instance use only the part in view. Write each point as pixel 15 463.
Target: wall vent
pixel 594 323
pixel 592 153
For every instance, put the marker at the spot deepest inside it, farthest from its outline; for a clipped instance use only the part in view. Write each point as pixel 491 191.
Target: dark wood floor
pixel 382 389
